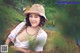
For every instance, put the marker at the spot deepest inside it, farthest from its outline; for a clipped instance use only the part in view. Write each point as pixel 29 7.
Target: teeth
pixel 33 22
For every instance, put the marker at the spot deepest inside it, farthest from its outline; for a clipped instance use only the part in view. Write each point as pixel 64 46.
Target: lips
pixel 33 22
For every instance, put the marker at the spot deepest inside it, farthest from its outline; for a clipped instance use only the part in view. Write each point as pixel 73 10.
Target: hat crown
pixel 38 8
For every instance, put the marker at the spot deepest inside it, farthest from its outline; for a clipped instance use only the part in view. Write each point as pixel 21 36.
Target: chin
pixel 34 25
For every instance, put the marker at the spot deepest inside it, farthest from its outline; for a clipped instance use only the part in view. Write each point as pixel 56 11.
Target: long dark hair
pixel 42 21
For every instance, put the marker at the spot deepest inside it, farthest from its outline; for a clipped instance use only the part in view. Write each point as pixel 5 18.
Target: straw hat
pixel 36 8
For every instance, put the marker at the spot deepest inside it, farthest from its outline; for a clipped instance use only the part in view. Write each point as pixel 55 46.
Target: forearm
pixel 37 52
pixel 18 49
pixel 24 50
pixel 7 41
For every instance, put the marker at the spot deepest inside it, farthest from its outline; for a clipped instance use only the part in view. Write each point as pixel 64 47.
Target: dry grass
pixel 56 43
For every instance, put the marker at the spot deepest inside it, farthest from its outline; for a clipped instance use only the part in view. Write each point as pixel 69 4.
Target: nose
pixel 33 18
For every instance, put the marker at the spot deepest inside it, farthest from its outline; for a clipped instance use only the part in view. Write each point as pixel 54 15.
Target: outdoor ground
pixel 56 42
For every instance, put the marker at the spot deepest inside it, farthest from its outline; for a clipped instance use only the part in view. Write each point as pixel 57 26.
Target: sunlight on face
pixel 34 19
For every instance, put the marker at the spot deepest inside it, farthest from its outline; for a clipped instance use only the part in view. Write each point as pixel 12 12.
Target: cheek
pixel 29 19
pixel 39 20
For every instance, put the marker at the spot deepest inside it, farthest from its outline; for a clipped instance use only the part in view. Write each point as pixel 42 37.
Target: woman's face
pixel 34 19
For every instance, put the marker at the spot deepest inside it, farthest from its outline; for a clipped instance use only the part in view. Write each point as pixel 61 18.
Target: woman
pixel 29 36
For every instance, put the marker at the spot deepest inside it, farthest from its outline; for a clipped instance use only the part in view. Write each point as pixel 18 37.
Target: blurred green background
pixel 62 27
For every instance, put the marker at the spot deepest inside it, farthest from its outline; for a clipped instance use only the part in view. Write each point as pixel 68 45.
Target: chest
pixel 23 36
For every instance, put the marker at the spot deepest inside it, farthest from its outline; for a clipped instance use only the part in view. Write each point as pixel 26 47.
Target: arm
pixel 7 41
pixel 37 52
pixel 19 49
pixel 41 41
pixel 14 47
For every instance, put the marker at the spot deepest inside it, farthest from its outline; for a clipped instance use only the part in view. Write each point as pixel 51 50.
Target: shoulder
pixel 42 37
pixel 42 33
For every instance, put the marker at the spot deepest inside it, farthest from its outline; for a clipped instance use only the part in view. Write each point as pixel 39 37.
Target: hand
pixel 19 49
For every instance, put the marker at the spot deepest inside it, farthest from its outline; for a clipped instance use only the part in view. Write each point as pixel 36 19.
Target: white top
pixel 41 38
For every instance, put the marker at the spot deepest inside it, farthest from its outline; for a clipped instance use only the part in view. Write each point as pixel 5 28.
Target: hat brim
pixel 25 13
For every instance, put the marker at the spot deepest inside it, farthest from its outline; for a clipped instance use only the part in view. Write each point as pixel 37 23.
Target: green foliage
pixel 47 3
pixel 8 17
pixel 59 41
pixel 61 45
pixel 65 18
pixel 50 16
pixel 32 44
pixel 69 20
pixel 17 4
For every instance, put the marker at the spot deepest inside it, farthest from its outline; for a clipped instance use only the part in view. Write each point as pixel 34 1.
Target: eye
pixel 30 15
pixel 36 16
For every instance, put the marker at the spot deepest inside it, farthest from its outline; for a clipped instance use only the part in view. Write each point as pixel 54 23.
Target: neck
pixel 36 27
pixel 30 30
